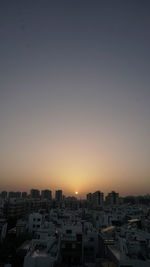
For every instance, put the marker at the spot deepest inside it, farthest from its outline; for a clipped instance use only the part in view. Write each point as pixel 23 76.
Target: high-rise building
pixel 112 198
pixel 35 193
pixel 46 194
pixel 89 197
pixel 4 194
pixel 58 195
pixel 98 198
pixel 24 194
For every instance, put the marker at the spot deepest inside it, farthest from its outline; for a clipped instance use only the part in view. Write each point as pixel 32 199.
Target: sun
pixel 76 193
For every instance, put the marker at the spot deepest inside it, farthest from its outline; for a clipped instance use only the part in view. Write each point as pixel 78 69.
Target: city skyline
pixel 52 192
pixel 74 96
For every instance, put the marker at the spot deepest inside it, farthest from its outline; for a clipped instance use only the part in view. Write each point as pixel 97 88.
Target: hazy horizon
pixel 76 194
pixel 75 96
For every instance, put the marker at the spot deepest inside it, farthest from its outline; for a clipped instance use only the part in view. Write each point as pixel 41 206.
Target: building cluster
pixel 97 198
pixel 34 193
pixel 65 231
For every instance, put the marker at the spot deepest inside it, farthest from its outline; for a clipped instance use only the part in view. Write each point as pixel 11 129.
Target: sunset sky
pixel 75 95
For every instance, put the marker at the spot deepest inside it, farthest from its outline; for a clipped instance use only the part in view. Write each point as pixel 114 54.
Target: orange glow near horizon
pixel 70 182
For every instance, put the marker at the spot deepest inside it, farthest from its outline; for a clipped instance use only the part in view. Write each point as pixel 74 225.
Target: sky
pixel 75 96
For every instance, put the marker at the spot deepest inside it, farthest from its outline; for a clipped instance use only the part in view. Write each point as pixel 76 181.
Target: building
pixel 35 193
pixel 35 222
pixel 46 194
pixel 11 194
pixel 24 194
pixel 43 253
pixel 98 198
pixel 71 244
pixel 14 194
pixel 18 194
pixel 58 195
pixel 3 229
pixel 112 198
pixel 14 207
pixel 21 227
pixel 4 194
pixel 89 197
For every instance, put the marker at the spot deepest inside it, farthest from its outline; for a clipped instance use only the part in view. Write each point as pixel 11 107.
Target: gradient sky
pixel 75 95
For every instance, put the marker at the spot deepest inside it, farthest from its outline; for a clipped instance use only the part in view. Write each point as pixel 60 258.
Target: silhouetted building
pixel 98 198
pixel 58 195
pixel 14 207
pixel 112 198
pixel 24 194
pixel 35 193
pixel 89 197
pixel 14 194
pixel 46 194
pixel 4 194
